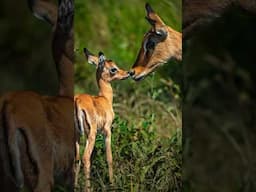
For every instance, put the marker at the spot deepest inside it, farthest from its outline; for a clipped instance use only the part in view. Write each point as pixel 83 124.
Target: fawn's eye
pixel 113 70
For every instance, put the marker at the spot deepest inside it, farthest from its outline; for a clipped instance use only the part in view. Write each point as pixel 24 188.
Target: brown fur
pixel 97 112
pixel 38 130
pixel 165 48
pixel 49 137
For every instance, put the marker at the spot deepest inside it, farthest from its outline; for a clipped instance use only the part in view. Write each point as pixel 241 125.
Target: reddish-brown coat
pixel 93 113
pixel 160 44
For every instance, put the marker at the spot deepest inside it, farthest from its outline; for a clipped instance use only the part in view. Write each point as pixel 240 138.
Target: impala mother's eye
pixel 113 70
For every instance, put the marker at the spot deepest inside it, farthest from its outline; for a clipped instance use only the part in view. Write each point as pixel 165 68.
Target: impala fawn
pixel 160 44
pixel 95 113
pixel 37 132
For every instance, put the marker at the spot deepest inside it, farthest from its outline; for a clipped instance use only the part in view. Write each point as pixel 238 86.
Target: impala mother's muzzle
pixel 138 73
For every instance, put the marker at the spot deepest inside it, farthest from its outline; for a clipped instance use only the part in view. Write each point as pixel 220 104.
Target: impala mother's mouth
pixel 139 77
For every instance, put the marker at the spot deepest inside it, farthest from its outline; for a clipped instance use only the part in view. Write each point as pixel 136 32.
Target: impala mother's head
pixel 160 44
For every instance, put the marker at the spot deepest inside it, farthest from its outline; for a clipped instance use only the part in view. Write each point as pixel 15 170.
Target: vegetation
pixel 146 141
pixel 142 160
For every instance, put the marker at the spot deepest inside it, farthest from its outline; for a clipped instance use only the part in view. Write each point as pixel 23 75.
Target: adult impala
pixel 95 113
pixel 37 132
pixel 160 44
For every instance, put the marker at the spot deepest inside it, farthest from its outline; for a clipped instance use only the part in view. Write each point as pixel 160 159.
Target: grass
pixel 142 160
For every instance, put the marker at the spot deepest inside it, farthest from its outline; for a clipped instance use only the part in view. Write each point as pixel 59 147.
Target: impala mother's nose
pixel 131 72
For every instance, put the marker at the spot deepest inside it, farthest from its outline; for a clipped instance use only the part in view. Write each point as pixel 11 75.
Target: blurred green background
pixel 146 141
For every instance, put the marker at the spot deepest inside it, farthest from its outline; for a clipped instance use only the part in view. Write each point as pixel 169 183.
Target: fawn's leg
pixel 109 153
pixel 87 156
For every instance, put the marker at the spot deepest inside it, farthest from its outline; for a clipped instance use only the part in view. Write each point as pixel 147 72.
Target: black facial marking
pixel 150 44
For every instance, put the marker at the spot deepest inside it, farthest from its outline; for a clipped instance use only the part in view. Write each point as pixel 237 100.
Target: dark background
pixel 25 50
pixel 219 108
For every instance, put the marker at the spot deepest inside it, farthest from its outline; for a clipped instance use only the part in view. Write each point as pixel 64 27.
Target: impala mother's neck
pixel 175 44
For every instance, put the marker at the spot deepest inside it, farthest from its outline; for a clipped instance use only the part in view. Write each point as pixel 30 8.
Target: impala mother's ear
pixel 148 8
pixel 92 59
pixel 150 11
pixel 151 21
pixel 152 17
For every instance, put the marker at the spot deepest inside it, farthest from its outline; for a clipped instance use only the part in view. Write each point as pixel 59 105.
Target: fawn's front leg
pixel 109 153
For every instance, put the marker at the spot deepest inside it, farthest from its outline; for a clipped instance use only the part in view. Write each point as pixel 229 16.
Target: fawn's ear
pixel 102 60
pixel 92 59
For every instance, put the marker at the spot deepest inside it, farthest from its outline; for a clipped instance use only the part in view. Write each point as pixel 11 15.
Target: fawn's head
pixel 160 44
pixel 107 70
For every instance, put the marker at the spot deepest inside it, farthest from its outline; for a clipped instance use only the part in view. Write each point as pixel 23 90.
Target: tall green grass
pixel 142 161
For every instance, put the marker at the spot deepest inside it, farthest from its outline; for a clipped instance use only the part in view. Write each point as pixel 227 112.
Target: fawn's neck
pixel 105 90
